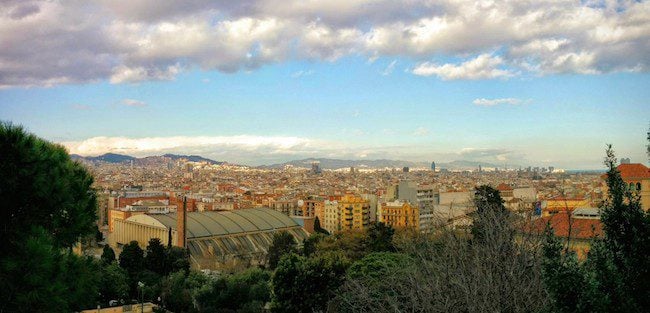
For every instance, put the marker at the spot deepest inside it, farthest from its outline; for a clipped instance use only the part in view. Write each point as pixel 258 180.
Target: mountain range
pixel 120 158
pixel 381 163
pixel 325 163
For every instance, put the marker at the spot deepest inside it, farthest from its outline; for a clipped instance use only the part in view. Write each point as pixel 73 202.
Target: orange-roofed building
pixel 505 190
pixel 578 230
pixel 637 178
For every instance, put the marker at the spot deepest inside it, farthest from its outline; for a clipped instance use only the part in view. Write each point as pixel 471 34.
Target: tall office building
pixel 433 166
pixel 315 168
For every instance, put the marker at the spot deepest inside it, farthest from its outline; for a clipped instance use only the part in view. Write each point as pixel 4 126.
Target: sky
pixel 542 83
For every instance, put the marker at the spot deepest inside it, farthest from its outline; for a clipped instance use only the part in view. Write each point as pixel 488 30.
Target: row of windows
pixel 633 186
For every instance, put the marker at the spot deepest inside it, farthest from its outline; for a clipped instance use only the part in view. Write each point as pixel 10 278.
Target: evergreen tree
pixel 132 261
pixel 113 284
pixel 491 216
pixel 48 205
pixel 155 258
pixel 41 187
pixel 380 238
pixel 626 243
pixel 283 243
pixel 177 260
pixel 302 284
pixel 108 255
pixel 318 228
pixel 310 244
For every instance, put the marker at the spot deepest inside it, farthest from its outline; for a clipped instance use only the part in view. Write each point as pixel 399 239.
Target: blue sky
pixel 550 99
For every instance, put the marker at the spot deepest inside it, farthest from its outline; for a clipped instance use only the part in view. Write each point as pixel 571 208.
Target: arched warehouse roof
pixel 210 224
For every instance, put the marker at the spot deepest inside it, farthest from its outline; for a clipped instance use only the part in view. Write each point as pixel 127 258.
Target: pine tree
pixel 108 255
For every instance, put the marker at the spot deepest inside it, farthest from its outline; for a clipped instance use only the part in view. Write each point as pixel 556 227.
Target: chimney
pixel 181 224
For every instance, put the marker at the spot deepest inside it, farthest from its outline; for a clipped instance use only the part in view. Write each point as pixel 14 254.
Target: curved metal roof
pixel 208 224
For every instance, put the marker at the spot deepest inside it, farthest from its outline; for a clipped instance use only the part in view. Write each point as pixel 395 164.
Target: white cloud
pixel 136 146
pixel 421 131
pixel 134 103
pixel 389 69
pixel 484 66
pixel 66 42
pixel 493 102
pixel 302 73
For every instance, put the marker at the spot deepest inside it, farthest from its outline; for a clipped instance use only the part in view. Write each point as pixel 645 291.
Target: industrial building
pixel 215 240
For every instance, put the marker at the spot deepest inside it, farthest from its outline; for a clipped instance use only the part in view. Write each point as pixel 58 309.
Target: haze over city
pixel 257 82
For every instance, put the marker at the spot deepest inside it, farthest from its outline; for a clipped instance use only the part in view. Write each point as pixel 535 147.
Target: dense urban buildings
pixel 138 200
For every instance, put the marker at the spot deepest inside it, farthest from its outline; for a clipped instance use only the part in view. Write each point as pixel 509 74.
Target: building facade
pixel 400 214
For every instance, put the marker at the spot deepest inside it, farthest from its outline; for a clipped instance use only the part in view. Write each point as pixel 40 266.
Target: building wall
pixel 355 212
pixel 554 206
pixel 400 214
pixel 331 216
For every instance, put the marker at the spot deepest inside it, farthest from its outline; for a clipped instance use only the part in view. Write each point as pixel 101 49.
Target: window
pixel 638 186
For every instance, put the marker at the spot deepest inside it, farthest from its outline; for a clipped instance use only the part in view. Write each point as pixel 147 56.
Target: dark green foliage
pixel 42 187
pixel 155 258
pixel 39 277
pixel 178 259
pixel 283 243
pixel 489 209
pixel 561 275
pixel 310 244
pixel 378 265
pixel 627 238
pixel 178 288
pixel 616 275
pixel 48 205
pixel 81 276
pixel 380 237
pixel 113 284
pixel 108 255
pixel 132 258
pixel 306 284
pixel 132 261
pixel 318 229
pixel 248 291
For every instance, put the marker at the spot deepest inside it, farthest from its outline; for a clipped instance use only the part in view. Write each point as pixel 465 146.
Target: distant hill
pixel 333 164
pixel 339 163
pixel 108 158
pixel 192 158
pixel 120 158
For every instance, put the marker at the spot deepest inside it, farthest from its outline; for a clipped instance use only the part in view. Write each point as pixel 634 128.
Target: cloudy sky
pixel 539 82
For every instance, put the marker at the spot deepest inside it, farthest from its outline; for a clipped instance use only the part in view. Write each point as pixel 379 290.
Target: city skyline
pixel 255 83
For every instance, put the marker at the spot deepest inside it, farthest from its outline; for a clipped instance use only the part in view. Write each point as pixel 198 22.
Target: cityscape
pixel 325 156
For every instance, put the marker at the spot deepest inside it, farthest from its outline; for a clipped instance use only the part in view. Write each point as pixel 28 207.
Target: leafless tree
pixel 451 272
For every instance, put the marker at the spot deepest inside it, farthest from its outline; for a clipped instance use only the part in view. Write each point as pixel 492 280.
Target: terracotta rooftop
pixel 504 187
pixel 580 227
pixel 634 170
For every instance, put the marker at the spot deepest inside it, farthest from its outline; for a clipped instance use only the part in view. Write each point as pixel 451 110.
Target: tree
pixel 302 284
pixel 318 229
pixel 178 288
pixel 132 261
pixel 113 284
pixel 108 255
pixel 48 205
pixel 283 243
pixel 616 275
pixel 155 257
pixel 380 237
pixel 627 239
pixel 377 265
pixel 177 259
pixel 310 244
pixel 247 291
pixel 491 215
pixel 42 187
